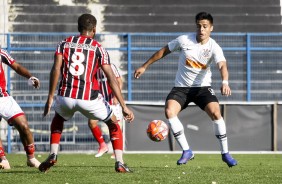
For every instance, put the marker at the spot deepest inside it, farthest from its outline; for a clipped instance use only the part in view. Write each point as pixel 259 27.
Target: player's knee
pixel 22 127
pixel 169 112
pixel 215 115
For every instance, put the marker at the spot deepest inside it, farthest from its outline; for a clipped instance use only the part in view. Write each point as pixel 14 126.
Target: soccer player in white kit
pixel 76 61
pixel 12 112
pixel 197 51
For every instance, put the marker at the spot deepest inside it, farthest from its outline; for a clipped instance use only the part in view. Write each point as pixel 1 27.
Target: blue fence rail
pixel 254 61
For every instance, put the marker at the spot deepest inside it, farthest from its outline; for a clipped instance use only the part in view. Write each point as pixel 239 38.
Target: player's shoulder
pixel 213 42
pixel 190 37
pixel 4 52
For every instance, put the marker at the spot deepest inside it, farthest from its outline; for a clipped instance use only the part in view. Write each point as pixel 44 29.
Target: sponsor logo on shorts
pixel 211 91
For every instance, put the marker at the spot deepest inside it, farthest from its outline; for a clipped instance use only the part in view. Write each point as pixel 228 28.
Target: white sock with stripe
pixel 178 132
pixel 220 133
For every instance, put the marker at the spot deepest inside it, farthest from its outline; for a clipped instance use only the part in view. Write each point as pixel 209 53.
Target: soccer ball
pixel 157 130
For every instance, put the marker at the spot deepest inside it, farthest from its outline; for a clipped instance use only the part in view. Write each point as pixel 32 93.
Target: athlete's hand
pixel 48 106
pixel 127 114
pixel 33 81
pixel 139 71
pixel 225 90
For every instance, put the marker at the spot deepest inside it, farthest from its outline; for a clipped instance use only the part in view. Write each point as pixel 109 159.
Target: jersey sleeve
pixel 59 49
pixel 6 57
pixel 174 45
pixel 115 70
pixel 218 54
pixel 103 56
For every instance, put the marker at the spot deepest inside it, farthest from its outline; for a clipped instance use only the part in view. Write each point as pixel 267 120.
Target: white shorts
pixel 117 111
pixel 97 109
pixel 9 108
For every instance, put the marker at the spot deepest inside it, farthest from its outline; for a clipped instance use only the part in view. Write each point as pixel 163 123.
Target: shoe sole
pixel 45 166
pixel 122 170
pixel 229 165
pixel 101 154
pixel 192 158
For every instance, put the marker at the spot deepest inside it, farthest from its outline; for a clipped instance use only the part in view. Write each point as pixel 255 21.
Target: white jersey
pixel 195 60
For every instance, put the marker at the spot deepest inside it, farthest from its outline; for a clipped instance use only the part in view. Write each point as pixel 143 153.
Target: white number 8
pixel 76 67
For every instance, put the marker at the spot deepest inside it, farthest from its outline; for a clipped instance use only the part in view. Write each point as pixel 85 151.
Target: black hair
pixel 86 22
pixel 204 16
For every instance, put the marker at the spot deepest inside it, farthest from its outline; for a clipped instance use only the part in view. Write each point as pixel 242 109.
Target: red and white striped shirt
pixel 7 59
pixel 81 59
pixel 105 88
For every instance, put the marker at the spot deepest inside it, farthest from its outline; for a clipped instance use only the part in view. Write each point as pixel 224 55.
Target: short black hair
pixel 86 22
pixel 204 16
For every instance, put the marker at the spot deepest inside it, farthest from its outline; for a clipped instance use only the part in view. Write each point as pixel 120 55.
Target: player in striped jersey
pixel 106 91
pixel 193 83
pixel 76 62
pixel 12 112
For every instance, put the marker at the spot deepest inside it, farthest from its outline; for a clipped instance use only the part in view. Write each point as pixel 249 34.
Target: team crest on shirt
pixel 206 53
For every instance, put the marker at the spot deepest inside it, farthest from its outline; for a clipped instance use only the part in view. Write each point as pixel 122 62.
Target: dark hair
pixel 86 22
pixel 204 16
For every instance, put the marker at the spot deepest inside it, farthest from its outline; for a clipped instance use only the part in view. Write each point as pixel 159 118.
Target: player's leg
pixel 21 124
pixel 4 163
pixel 14 115
pixel 119 116
pixel 57 126
pixel 175 101
pixel 213 110
pixel 116 137
pixel 172 109
pixel 97 133
pixel 64 110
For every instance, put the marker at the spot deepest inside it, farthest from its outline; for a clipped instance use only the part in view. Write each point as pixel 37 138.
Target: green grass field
pixel 148 168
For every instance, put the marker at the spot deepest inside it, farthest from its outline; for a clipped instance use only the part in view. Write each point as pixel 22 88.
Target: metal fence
pixel 254 61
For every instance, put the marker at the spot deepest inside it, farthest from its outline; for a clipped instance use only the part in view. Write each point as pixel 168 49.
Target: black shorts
pixel 201 96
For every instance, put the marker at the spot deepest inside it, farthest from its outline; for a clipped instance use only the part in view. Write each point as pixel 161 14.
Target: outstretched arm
pixel 21 70
pixel 155 57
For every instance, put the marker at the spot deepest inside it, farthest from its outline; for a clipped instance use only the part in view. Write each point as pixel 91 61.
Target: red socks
pixel 57 126
pixel 30 149
pixel 2 152
pixel 116 136
pixel 97 134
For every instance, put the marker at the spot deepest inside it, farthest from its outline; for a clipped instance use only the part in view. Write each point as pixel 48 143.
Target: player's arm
pixel 117 92
pixel 21 70
pixel 225 89
pixel 53 81
pixel 120 84
pixel 155 57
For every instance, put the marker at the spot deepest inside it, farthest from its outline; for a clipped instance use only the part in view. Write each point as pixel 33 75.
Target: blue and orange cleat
pixel 186 156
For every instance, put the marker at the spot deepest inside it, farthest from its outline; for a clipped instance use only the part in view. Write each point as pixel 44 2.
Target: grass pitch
pixel 148 168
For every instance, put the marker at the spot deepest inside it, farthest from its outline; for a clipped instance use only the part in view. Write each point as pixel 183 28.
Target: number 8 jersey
pixel 82 56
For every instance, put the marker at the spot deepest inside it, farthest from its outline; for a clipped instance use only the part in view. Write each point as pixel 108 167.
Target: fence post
pixel 9 142
pixel 129 95
pixel 248 67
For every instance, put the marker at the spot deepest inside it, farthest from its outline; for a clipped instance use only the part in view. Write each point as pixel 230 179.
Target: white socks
pixel 178 132
pixel 220 133
pixel 118 154
pixel 54 148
